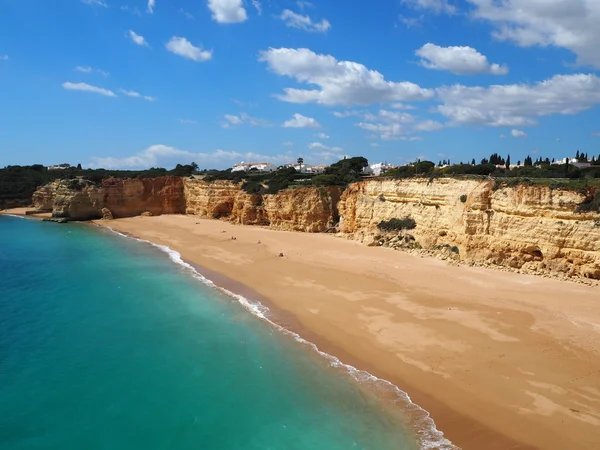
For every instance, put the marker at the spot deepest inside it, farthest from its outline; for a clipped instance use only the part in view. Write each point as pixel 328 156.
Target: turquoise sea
pixel 107 344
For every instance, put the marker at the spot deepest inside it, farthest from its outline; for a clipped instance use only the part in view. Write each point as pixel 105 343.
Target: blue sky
pixel 138 83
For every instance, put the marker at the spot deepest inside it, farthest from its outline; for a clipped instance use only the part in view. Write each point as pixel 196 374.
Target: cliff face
pixel 125 197
pixel 532 228
pixel 302 209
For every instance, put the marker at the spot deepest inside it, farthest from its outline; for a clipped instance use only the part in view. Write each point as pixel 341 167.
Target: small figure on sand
pixel 258 242
pixel 233 238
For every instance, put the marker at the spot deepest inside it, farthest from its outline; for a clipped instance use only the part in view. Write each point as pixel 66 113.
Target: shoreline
pixel 500 360
pixel 289 325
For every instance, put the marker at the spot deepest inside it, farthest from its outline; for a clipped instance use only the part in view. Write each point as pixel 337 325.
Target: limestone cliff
pixel 124 197
pixel 300 209
pixel 532 228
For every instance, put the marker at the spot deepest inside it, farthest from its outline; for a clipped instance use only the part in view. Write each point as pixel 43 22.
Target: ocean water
pixel 106 344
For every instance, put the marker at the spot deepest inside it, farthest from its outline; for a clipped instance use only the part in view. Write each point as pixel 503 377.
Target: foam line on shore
pixel 430 438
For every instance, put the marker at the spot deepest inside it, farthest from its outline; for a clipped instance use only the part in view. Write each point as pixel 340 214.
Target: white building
pixel 377 169
pixel 254 167
pixel 59 167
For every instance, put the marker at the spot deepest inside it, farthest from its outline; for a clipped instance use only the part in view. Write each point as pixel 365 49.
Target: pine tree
pixel 508 162
pixel 577 155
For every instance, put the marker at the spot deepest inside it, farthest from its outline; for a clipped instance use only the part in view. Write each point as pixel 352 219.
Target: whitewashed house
pixel 377 169
pixel 254 167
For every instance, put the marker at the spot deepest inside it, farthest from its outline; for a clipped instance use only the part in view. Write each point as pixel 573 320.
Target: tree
pixel 508 162
pixel 194 166
pixel 473 162
pixel 528 161
pixel 567 167
pixel 300 161
pixel 79 166
pixel 577 155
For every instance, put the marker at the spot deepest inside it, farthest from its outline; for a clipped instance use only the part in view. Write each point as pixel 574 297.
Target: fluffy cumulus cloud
pixel 227 11
pixel 166 156
pixel 151 4
pixel 231 120
pixel 518 133
pixel 137 39
pixel 84 87
pixel 300 121
pixel 395 125
pixel 337 82
pixel 182 47
pixel 136 95
pixel 458 60
pixel 294 20
pixel 566 24
pixel 519 104
pixel 322 136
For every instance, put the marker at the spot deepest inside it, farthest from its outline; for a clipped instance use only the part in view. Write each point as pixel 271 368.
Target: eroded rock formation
pixel 124 197
pixel 532 228
pixel 300 209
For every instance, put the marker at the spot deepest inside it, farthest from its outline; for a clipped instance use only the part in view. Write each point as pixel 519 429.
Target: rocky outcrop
pixel 43 198
pixel 534 229
pixel 80 199
pixel 299 209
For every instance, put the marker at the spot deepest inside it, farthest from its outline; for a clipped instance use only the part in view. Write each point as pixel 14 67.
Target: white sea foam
pixel 14 215
pixel 430 438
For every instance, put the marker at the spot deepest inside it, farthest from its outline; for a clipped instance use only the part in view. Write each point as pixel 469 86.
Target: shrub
pixel 454 249
pixel 406 223
pixel 463 198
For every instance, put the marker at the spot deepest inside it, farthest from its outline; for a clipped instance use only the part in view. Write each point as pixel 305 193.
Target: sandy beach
pixel 500 360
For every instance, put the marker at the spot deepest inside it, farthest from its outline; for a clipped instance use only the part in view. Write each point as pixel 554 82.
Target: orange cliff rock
pixel 123 197
pixel 300 209
pixel 532 228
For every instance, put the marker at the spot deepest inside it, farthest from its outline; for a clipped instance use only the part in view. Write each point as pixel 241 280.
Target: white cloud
pixel 95 3
pixel 287 144
pixel 518 133
pixel 88 69
pixel 300 121
pixel 137 39
pixel 339 82
pixel 325 153
pixel 137 95
pixel 227 11
pixel 87 88
pixel 166 156
pixel 302 4
pixel 151 4
pixel 187 121
pixel 294 20
pixel 230 120
pixel 557 139
pixel 519 104
pixel 186 14
pixel 428 125
pixel 411 22
pixel 233 120
pixel 572 25
pixel 458 60
pixel 395 125
pixel 134 10
pixel 436 6
pixel 257 6
pixel 3 57
pixel 502 136
pixel 322 136
pixel 182 47
pixel 374 144
pixel 321 146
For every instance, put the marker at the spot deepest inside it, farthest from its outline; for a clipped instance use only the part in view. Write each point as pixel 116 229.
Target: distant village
pixel 581 161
